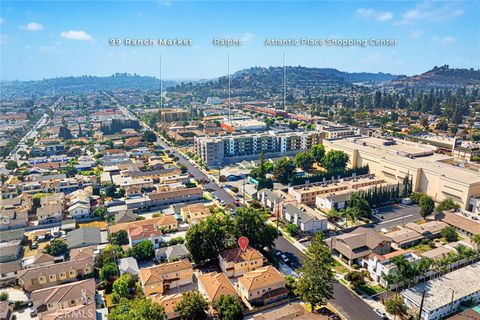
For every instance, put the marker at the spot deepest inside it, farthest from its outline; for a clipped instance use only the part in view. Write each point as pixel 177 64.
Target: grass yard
pixel 100 224
pixel 27 252
pixel 340 268
pixel 421 247
pixel 371 290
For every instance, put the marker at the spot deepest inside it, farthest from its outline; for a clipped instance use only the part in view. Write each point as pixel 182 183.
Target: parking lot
pixel 396 215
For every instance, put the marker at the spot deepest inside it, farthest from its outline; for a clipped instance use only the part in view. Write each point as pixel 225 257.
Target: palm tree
pixel 476 240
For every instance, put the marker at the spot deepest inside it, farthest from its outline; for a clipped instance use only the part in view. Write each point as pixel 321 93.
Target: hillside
pixel 80 84
pixel 442 77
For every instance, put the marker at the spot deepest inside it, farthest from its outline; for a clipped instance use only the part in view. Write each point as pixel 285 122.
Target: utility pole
pixel 421 304
pixel 161 85
pixel 229 87
pixel 284 83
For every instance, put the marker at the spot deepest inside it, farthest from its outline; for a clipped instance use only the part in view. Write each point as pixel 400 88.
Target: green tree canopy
pixel 315 284
pixel 304 160
pixel 427 205
pixel 447 204
pixel 252 223
pixel 149 136
pixel 193 306
pixel 284 170
pixel 56 247
pixel 396 306
pixel 335 160
pixel 142 250
pixel 450 234
pixel 108 272
pixel 136 309
pixel 229 308
pixel 119 238
pixel 318 152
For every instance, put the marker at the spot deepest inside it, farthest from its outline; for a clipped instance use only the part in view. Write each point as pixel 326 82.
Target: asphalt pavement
pixel 345 301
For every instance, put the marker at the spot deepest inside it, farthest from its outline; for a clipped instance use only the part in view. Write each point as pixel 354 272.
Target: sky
pixel 45 39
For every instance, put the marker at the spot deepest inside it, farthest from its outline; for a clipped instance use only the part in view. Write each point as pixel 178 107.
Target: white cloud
pixel 32 26
pixel 444 40
pixel 415 33
pixel 247 37
pixel 76 35
pixel 374 14
pixel 430 12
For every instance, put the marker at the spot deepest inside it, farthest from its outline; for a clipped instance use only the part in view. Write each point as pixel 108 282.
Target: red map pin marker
pixel 243 243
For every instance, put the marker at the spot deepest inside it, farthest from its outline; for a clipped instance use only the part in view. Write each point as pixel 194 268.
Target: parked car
pixel 381 314
pixel 34 245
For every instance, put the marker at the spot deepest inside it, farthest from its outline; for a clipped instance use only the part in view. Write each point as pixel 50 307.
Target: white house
pixel 79 210
pixel 307 219
pixel 327 202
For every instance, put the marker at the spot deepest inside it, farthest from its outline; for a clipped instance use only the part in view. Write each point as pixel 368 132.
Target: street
pixel 345 301
pixel 192 169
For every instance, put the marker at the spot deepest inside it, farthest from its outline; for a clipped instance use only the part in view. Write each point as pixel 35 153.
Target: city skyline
pixel 53 39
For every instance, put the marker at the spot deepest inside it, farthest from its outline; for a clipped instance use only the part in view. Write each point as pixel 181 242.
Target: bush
pixel 356 279
pixel 3 296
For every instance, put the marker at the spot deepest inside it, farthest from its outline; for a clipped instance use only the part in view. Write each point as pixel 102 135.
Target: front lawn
pixel 371 290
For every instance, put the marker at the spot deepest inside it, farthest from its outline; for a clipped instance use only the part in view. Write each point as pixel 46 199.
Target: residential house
pixel 213 285
pixel 307 219
pixel 430 230
pixel 463 224
pixel 167 222
pixel 50 213
pixel 139 233
pixel 262 286
pixel 51 275
pixel 169 303
pixel 359 243
pixel 65 296
pixel 79 211
pixel 83 237
pixel 175 252
pixel 125 216
pixel 128 265
pixel 10 251
pixel 404 238
pixel 161 278
pixel 193 213
pixel 6 310
pixel 9 272
pixel 379 266
pixel 236 262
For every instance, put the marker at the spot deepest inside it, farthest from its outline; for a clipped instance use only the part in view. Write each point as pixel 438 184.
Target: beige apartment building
pixel 263 285
pixel 431 173
pixel 236 262
pixel 51 275
pixel 163 277
pixel 307 194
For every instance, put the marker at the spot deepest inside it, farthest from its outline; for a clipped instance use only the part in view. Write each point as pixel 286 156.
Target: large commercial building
pixel 174 115
pixel 444 295
pixel 219 150
pixel 435 174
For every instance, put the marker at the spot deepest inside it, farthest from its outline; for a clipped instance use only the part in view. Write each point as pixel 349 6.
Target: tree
pixel 447 204
pixel 360 204
pixel 119 238
pixel 142 250
pixel 149 136
pixel 315 284
pixel 108 272
pixel 252 223
pixel 396 306
pixel 335 160
pixel 205 240
pixel 304 160
pixel 293 229
pixel 318 152
pixel 284 170
pixel 449 233
pixel 11 165
pixel 193 306
pixel 183 168
pixel 426 206
pixel 110 189
pixel 56 247
pixel 136 309
pixel 356 279
pixel 100 212
pixel 4 296
pixel 110 253
pixel 229 308
pixel 122 286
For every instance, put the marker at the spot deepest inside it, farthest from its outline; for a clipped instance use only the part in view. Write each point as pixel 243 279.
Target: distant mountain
pixel 441 77
pixel 81 84
pixel 263 83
